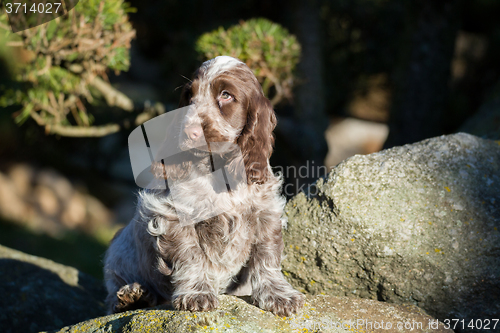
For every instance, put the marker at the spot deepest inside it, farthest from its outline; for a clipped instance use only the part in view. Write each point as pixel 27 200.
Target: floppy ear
pixel 256 140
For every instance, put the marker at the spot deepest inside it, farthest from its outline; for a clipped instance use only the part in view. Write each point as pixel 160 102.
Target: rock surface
pixel 39 294
pixel 320 314
pixel 417 224
pixel 42 295
pixel 414 224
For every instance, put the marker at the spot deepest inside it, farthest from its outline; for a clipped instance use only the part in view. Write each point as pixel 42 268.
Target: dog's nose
pixel 194 132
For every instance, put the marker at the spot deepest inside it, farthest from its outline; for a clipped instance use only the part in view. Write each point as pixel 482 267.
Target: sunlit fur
pixel 156 259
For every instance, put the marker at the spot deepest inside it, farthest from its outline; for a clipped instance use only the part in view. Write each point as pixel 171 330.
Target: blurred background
pixel 345 77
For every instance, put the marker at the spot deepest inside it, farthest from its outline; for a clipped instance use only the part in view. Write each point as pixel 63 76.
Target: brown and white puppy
pixel 157 259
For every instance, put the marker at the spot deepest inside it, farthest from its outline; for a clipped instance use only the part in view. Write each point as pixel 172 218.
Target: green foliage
pixel 266 47
pixel 57 61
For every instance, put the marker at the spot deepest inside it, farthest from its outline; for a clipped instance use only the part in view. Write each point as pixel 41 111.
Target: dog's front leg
pixel 270 290
pixel 193 290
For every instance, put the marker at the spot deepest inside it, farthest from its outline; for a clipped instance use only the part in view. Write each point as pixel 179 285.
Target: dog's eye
pixel 225 96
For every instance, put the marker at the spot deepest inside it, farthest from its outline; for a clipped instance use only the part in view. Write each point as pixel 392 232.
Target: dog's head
pixel 226 104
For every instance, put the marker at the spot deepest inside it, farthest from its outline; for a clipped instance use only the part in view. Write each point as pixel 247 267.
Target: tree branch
pixel 113 97
pixel 79 131
pixel 76 131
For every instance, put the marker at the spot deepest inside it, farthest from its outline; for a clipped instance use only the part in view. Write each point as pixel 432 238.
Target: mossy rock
pixel 235 315
pixel 417 224
pixel 39 294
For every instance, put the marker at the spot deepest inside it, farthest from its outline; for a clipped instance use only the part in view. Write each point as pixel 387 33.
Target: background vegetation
pixel 72 90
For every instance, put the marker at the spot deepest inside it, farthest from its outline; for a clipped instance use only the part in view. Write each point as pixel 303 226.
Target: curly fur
pixel 155 259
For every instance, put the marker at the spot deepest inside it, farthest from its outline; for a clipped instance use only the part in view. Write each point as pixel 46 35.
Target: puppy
pixel 157 259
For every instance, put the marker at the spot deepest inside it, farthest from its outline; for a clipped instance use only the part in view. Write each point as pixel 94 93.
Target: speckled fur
pixel 156 259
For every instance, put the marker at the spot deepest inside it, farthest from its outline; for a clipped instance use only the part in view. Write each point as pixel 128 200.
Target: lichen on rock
pixel 235 315
pixel 415 224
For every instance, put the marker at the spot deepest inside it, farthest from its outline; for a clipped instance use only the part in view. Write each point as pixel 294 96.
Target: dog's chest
pixel 226 240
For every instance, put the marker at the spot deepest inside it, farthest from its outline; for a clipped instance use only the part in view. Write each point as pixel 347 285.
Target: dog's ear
pixel 256 140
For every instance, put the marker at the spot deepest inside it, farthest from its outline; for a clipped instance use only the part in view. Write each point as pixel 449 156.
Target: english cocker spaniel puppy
pixel 157 259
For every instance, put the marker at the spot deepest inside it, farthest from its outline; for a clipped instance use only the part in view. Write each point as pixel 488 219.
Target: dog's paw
pixel 133 296
pixel 282 304
pixel 196 302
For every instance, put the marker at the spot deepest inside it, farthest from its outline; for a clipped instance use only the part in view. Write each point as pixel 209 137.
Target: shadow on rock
pixel 39 294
